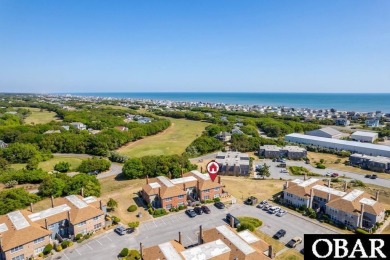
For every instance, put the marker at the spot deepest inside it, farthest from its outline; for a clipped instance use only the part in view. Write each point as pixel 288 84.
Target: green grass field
pixel 49 164
pixel 173 140
pixel 39 116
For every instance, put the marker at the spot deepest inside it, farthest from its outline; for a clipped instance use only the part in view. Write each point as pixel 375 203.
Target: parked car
pixel 294 242
pixel 191 213
pixel 334 175
pixel 328 174
pixel 198 210
pixel 262 204
pixel 280 234
pixel 120 230
pixel 266 207
pixel 219 205
pixel 374 176
pixel 250 201
pixel 273 210
pixel 281 213
pixel 205 209
pixel 302 251
pixel 367 176
pixel 94 172
pixel 235 220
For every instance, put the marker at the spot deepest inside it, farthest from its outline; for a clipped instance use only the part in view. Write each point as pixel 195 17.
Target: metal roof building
pixel 354 147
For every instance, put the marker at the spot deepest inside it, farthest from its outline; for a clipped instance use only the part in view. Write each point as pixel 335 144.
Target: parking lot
pixel 166 228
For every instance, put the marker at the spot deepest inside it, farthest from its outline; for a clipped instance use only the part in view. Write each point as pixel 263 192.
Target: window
pixel 82 223
pixel 84 231
pixel 97 226
pixel 206 197
pixel 216 189
pixel 96 218
pixel 16 249
pixel 168 199
pixel 181 196
pixel 206 191
pixel 169 206
pixel 52 226
pixel 180 204
pixel 38 250
pixel 216 196
pixel 19 257
pixel 39 240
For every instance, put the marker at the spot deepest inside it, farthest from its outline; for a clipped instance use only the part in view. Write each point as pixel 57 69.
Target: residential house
pixel 3 144
pixel 373 163
pixel 24 234
pixel 290 152
pixel 353 208
pixel 219 243
pixel 233 163
pixel 162 192
pixel 237 131
pixel 224 136
pixel 342 122
pixel 372 122
pixel 79 126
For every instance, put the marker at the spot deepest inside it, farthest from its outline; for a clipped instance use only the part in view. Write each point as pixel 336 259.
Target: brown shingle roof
pixel 301 191
pixel 154 252
pixel 13 237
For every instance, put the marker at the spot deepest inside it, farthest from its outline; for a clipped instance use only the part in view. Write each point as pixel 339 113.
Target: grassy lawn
pixel 276 244
pixel 49 164
pixel 40 116
pixel 173 140
pixel 386 230
pixel 124 192
pixel 330 162
pixel 242 188
pixel 290 254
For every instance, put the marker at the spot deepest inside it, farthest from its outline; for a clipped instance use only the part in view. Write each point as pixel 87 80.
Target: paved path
pixel 276 174
pixel 160 230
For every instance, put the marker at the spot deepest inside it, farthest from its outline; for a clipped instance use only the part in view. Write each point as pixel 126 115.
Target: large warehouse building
pixel 353 147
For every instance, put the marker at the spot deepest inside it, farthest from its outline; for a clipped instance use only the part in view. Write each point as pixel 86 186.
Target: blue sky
pixel 219 45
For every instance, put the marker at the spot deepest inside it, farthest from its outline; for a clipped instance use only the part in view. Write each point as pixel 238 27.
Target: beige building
pixel 220 243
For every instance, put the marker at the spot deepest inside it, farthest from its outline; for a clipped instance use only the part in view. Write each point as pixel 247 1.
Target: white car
pixel 273 210
pixel 281 213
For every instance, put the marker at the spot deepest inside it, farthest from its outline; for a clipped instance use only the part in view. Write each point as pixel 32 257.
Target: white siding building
pixel 366 137
pixel 335 144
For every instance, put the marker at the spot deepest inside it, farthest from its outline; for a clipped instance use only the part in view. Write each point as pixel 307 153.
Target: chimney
pixel 197 186
pixel 52 201
pixel 82 192
pixel 219 179
pixel 179 237
pixel 328 197
pixel 305 177
pixel 201 168
pixel 169 175
pixel 345 186
pixel 147 179
pixel 270 252
pixel 232 221
pixel 361 215
pixel 46 226
pixel 101 205
pixel 328 183
pixel 311 198
pixel 184 186
pixel 141 250
pixel 31 207
pixel 182 173
pixel 69 216
pixel 159 192
pixel 286 186
pixel 377 196
pixel 200 239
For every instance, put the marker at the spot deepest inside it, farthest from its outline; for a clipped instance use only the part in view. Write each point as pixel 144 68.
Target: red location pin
pixel 213 169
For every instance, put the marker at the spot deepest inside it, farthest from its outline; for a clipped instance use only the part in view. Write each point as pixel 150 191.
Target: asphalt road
pixel 276 174
pixel 166 228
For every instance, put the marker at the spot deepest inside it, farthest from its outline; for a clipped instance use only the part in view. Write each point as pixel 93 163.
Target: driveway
pixel 166 228
pixel 276 174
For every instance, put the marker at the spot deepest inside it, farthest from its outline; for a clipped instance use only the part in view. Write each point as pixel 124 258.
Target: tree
pixel 15 198
pixel 62 167
pixel 117 157
pixel 94 164
pixel 90 184
pixel 52 186
pixel 264 170
pixel 133 168
pixel 3 164
pixel 20 153
pixel 112 204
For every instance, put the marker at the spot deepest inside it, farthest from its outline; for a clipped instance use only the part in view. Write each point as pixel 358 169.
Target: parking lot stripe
pixel 189 239
pixel 108 238
pixel 164 222
pixel 88 246
pixel 155 223
pixel 98 242
pixel 77 251
pixel 65 256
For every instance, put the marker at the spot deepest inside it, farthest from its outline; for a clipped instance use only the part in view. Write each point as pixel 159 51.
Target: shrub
pixel 249 223
pixel 132 208
pixel 181 207
pixel 59 248
pixel 65 244
pixel 124 252
pixel 115 220
pixel 151 211
pixel 62 167
pixel 217 199
pixel 361 231
pixel 47 249
pixel 134 224
pixel 79 236
pixel 159 212
pixel 87 236
pixel 10 184
pixel 320 166
pixel 134 255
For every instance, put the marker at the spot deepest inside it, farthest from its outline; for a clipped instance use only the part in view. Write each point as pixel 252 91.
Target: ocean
pixel 340 101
